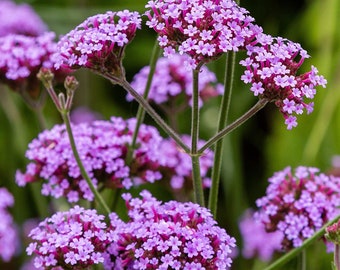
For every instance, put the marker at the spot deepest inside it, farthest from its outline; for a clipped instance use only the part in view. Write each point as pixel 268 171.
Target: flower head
pixel 172 235
pixel 172 80
pixel 253 232
pixel 73 239
pixel 271 69
pixel 103 147
pixel 99 42
pixel 8 233
pixel 19 19
pixel 202 29
pixel 298 204
pixel 21 58
pixel 176 165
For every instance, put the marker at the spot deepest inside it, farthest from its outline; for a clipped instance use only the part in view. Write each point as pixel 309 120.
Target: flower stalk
pixel 222 121
pixel 64 106
pixel 195 127
pixel 141 111
pixel 261 103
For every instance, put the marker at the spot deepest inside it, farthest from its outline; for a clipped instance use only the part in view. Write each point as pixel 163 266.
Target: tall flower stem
pixel 195 127
pixel 251 112
pixel 296 251
pixel 222 121
pixel 141 112
pixel 66 118
pixel 147 107
pixel 337 256
pixel 302 260
pixel 64 107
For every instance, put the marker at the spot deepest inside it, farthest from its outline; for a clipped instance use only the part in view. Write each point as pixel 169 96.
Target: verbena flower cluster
pixel 19 19
pixel 103 147
pixel 99 42
pixel 271 69
pixel 21 58
pixel 256 241
pixel 202 29
pixel 172 80
pixel 172 235
pixel 75 239
pixel 176 165
pixel 8 233
pixel 298 203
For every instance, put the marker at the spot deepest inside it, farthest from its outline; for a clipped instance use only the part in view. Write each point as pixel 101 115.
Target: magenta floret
pixel 298 203
pixel 99 42
pixel 75 239
pixel 271 69
pixel 253 232
pixel 19 19
pixel 103 147
pixel 9 239
pixel 172 235
pixel 173 80
pixel 202 29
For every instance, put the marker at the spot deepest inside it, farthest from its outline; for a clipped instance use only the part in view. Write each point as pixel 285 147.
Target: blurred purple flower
pixel 253 234
pixel 8 233
pixel 176 165
pixel 103 147
pixel 84 115
pixel 99 42
pixel 271 69
pixel 171 235
pixel 73 239
pixel 298 203
pixel 19 19
pixel 173 80
pixel 21 58
pixel 202 29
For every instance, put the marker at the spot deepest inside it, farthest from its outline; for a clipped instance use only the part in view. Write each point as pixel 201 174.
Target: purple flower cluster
pixel 19 19
pixel 202 29
pixel 8 233
pixel 177 166
pixel 75 239
pixel 172 235
pixel 21 58
pixel 298 204
pixel 253 234
pixel 99 42
pixel 271 69
pixel 103 147
pixel 172 79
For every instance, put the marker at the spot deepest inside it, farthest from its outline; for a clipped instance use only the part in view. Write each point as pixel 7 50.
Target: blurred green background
pixel 252 153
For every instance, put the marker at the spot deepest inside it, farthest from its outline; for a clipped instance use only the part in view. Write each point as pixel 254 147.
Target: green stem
pixel 99 198
pixel 141 112
pixel 195 126
pixel 147 107
pixel 302 260
pixel 223 116
pixel 337 256
pixel 294 252
pixel 251 112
